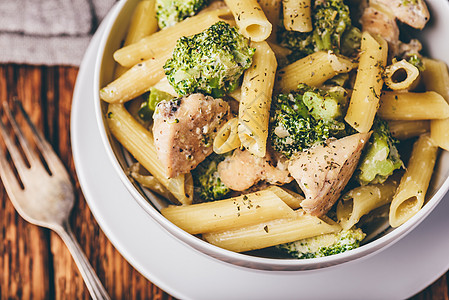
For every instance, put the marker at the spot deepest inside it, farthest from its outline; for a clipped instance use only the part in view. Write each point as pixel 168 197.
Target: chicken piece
pixel 411 12
pixel 242 170
pixel 411 48
pixel 184 130
pixel 324 170
pixel 376 21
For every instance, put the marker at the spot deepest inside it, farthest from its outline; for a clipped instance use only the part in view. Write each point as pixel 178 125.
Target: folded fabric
pixel 50 32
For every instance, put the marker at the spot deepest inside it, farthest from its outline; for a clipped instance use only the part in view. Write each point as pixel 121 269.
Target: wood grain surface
pixel 34 262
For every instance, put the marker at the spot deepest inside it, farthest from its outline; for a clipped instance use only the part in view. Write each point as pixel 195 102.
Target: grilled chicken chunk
pixel 411 12
pixel 324 170
pixel 242 170
pixel 379 22
pixel 184 130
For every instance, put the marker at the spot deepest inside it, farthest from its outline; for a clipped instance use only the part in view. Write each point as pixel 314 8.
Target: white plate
pixel 396 273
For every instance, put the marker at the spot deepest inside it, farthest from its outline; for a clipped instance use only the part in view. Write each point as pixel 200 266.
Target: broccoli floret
pixel 327 105
pixel 331 20
pixel 381 157
pixel 332 30
pixel 306 117
pixel 147 107
pixel 170 12
pixel 415 59
pixel 210 62
pixel 324 245
pixel 207 183
pixel 301 43
pixel 351 41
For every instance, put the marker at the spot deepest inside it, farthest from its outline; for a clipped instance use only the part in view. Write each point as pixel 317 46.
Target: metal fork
pixel 42 195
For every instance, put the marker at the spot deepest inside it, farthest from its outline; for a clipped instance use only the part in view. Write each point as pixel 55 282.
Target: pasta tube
pixel 368 83
pixel 290 198
pixel 439 132
pixel 272 10
pixel 297 15
pixel 250 19
pixel 412 106
pixel 270 233
pixel 227 138
pixel 135 81
pixel 361 200
pixel 312 70
pixel 401 75
pixel 254 108
pixel 143 23
pixel 229 213
pixel 410 195
pixel 436 78
pixel 162 42
pixel 139 142
pixel 403 130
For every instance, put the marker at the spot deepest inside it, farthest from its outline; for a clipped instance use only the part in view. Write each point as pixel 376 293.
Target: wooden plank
pixel 24 254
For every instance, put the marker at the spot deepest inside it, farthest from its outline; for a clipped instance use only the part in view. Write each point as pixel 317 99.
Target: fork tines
pixel 22 153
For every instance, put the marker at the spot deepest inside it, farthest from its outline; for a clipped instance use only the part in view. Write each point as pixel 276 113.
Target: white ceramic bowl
pixel 435 39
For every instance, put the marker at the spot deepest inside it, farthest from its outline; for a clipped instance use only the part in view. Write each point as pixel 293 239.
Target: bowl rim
pixel 241 259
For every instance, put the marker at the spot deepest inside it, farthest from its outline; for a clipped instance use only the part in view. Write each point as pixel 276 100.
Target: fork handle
pixel 93 283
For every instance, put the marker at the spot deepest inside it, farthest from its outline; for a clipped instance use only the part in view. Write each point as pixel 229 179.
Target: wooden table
pixel 34 262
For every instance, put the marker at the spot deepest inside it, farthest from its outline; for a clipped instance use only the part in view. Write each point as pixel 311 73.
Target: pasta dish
pixel 289 125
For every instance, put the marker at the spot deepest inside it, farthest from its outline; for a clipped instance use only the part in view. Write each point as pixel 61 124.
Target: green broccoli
pixel 306 117
pixel 351 41
pixel 210 62
pixel 324 245
pixel 332 30
pixel 380 158
pixel 147 107
pixel 301 43
pixel 331 20
pixel 170 12
pixel 415 59
pixel 207 183
pixel 328 105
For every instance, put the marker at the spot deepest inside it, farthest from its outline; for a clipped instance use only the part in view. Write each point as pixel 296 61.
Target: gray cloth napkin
pixel 48 32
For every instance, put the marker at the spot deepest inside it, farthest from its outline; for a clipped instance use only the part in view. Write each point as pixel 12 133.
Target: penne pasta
pixel 368 83
pixel 273 232
pixel 410 195
pixel 439 132
pixel 143 23
pixel 412 106
pixel 436 78
pixel 312 70
pixel 254 108
pixel 250 19
pixel 272 10
pixel 227 138
pixel 401 75
pixel 289 197
pixel 139 142
pixel 150 182
pixel 403 130
pixel 159 45
pixel 361 200
pixel 228 214
pixel 134 82
pixel 297 15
